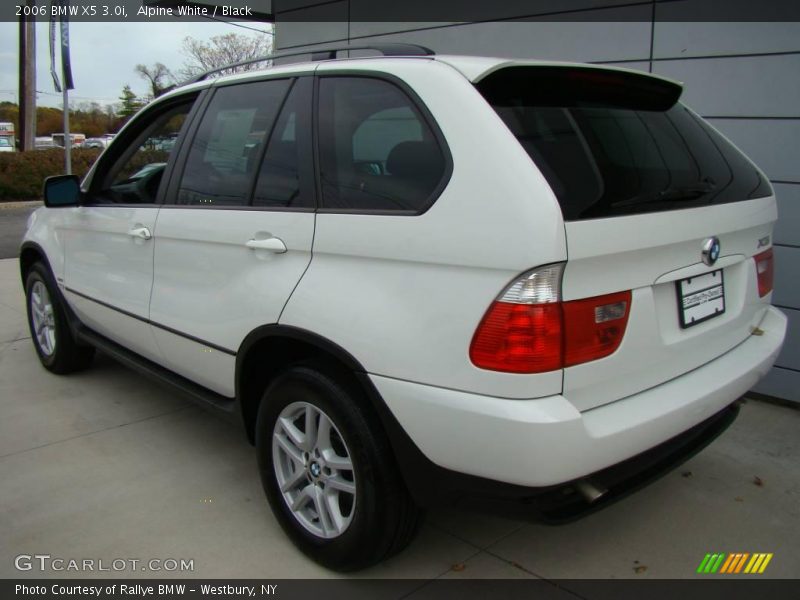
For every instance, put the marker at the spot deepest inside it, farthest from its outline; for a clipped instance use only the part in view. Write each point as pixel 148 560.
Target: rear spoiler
pixel 574 86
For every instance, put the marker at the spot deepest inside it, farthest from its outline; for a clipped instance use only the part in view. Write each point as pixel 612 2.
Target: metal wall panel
pixel 601 42
pixel 325 23
pixel 682 40
pixel 791 347
pixel 780 383
pixel 753 86
pixel 787 278
pixel 787 229
pixel 772 143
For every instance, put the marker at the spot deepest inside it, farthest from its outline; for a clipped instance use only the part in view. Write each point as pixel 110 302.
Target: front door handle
pixel 142 233
pixel 271 244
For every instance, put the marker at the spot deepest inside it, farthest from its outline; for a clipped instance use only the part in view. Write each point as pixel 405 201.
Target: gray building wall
pixel 743 77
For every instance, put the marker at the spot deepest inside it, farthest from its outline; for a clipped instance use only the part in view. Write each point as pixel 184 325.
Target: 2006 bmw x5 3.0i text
pixel 419 279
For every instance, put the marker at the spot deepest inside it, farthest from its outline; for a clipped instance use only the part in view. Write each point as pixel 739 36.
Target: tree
pixel 49 120
pixel 9 111
pixel 130 103
pixel 90 119
pixel 223 50
pixel 158 77
pixel 115 122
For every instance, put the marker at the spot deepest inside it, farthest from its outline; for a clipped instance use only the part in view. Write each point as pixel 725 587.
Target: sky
pixel 104 56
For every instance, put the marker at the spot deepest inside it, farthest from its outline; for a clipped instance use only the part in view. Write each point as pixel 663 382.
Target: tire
pixel 47 319
pixel 369 515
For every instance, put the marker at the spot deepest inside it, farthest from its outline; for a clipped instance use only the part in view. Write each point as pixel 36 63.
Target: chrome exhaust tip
pixel 590 492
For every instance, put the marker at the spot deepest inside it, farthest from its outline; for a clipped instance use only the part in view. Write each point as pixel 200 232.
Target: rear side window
pixel 376 150
pixel 615 144
pixel 226 150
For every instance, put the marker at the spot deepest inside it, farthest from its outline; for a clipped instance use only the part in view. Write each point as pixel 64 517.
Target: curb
pixel 20 204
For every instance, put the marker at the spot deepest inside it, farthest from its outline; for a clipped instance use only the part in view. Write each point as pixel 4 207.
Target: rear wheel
pixel 57 349
pixel 329 473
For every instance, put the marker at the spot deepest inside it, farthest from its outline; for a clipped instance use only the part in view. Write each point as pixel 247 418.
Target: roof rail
pixel 325 54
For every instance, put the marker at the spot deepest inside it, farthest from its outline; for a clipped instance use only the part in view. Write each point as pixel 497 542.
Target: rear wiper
pixel 689 192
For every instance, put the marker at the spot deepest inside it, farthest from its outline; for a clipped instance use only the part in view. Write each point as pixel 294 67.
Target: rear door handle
pixel 271 244
pixel 142 233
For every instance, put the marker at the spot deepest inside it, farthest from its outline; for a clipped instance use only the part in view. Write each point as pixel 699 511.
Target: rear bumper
pixel 546 442
pixel 561 503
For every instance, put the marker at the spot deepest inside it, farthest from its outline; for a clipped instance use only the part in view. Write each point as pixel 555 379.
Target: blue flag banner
pixel 66 66
pixel 56 82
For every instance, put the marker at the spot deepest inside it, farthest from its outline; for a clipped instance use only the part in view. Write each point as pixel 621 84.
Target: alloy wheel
pixel 314 470
pixel 44 325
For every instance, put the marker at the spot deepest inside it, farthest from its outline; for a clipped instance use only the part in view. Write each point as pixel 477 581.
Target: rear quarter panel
pixel 404 294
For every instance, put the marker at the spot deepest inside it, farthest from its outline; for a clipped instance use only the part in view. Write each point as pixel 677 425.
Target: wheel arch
pixel 287 345
pixel 270 349
pixel 31 253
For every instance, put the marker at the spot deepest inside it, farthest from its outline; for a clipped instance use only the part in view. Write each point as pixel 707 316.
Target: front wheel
pixel 57 349
pixel 329 473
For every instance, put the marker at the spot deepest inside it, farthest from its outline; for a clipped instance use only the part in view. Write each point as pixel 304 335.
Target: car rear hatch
pixel 654 201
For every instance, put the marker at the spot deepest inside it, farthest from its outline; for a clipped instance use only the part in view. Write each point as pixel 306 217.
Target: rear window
pixel 613 144
pixel 376 150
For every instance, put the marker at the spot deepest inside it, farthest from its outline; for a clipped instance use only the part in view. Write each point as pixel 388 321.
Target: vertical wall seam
pixel 652 33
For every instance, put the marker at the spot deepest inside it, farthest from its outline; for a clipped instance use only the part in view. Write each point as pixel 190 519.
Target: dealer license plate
pixel 700 298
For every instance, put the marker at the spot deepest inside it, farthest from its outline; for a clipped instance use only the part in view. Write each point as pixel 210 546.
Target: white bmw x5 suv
pixel 418 279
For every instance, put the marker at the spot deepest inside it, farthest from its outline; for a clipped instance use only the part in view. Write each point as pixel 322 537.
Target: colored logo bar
pixel 735 563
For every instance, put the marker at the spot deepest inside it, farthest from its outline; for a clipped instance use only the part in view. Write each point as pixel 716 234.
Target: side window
pixel 135 175
pixel 228 144
pixel 278 182
pixel 376 150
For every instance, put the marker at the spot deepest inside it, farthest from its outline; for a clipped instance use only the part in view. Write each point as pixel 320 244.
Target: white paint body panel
pixel 410 290
pixel 106 263
pixel 476 68
pixel 45 228
pixel 207 284
pixel 647 254
pixel 547 441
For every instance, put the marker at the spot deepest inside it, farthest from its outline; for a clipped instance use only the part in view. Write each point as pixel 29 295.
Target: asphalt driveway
pixel 13 218
pixel 106 465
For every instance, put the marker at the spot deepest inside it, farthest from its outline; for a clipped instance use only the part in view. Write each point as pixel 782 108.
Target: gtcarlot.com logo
pixel 46 562
pixel 735 563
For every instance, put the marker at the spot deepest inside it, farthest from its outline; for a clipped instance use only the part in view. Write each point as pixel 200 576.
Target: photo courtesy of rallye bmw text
pixel 146 590
pixel 399 299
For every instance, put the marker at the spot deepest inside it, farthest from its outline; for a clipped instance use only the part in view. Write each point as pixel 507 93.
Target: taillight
pixel 765 270
pixel 522 330
pixel 594 326
pixel 528 329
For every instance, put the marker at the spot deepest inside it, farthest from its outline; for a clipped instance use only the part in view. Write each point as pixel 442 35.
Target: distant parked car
pixel 47 146
pixel 95 143
pixel 165 144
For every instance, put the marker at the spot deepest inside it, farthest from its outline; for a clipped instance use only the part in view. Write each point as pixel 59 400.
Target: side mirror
pixel 62 190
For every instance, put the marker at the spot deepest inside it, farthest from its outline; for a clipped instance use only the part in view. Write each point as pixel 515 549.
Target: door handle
pixel 142 233
pixel 271 244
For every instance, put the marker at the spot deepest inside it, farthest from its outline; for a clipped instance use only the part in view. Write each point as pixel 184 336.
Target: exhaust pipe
pixel 590 492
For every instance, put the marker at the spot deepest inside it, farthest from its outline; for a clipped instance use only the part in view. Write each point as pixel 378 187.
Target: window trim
pixel 428 119
pixel 183 156
pixel 304 87
pixel 129 134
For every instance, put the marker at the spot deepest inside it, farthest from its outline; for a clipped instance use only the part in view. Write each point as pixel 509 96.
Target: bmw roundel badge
pixel 711 250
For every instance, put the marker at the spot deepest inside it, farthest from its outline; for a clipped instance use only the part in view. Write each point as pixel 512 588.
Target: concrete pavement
pixel 107 465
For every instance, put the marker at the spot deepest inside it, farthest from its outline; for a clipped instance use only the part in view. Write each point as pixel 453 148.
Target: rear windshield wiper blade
pixel 673 194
